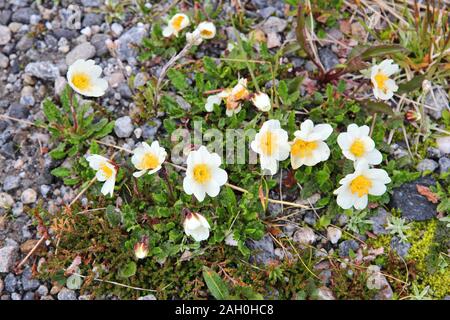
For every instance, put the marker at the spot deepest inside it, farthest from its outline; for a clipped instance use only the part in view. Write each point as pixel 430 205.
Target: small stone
pixel 18 110
pixel 401 248
pixel 273 40
pixel 334 234
pixel 42 290
pixel 25 43
pixel 98 40
pixel 11 183
pixel 274 24
pixel 5 35
pixel 115 79
pixel 44 70
pixel 137 133
pixel 28 283
pixel 380 221
pixel 47 298
pixel 28 245
pixel 324 293
pixel 266 12
pixel 427 165
pixel 91 3
pixel 304 235
pixel 10 283
pixel 438 100
pixel 23 15
pixel 67 294
pixel 92 19
pixel 328 58
pixel 444 165
pixel 28 196
pixel 263 251
pixel 7 258
pixel 412 204
pixel 6 201
pixel 4 61
pixel 183 104
pixel 60 84
pixel 127 42
pixel 116 29
pixel 434 153
pixel 148 297
pixel 443 144
pixel 150 129
pixel 123 127
pixel 28 296
pixel 16 296
pixel 82 51
pixel 346 246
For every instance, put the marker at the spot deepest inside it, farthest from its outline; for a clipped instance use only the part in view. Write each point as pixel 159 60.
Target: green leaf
pixel 107 129
pixel 411 85
pixel 51 111
pixel 60 172
pixel 58 153
pixel 113 215
pixel 210 66
pixel 178 79
pixel 128 270
pixel 382 50
pixel 216 285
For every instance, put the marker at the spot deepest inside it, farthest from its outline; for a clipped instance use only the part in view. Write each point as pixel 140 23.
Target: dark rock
pixel 149 129
pixel 380 221
pixel 28 296
pixel 17 110
pixel 92 19
pixel 263 250
pixel 5 17
pixel 7 150
pixel 65 33
pixel 346 246
pixel 328 57
pixel 434 153
pixel 10 283
pixel 23 15
pixel 427 165
pixel 25 43
pixel 401 248
pixel 413 205
pixel 11 183
pixel 98 41
pixel 266 12
pixel 28 283
pixel 127 44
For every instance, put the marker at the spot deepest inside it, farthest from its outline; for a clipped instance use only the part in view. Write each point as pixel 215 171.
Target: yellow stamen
pixel 202 173
pixel 206 33
pixel 268 143
pixel 360 185
pixel 380 79
pixel 241 94
pixel 358 148
pixel 302 148
pixel 81 80
pixel 149 161
pixel 107 171
pixel 176 24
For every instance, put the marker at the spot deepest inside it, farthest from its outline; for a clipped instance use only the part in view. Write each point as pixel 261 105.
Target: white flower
pixel 177 23
pixel 271 143
pixel 308 147
pixel 207 30
pixel 106 171
pixel 194 37
pixel 261 101
pixel 383 86
pixel 356 145
pixel 216 99
pixel 197 226
pixel 356 187
pixel 148 158
pixel 203 175
pixel 84 77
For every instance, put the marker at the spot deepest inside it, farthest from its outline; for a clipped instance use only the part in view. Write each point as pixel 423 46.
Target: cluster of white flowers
pixel 203 173
pixel 308 148
pixel 234 97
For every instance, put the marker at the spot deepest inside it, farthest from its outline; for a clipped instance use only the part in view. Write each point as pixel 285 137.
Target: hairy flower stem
pixel 169 185
pixel 166 67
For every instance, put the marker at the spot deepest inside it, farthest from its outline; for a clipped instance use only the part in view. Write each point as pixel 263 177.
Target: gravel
pixel 123 127
pixel 67 294
pixel 44 70
pixel 82 51
pixel 28 196
pixel 427 165
pixel 7 258
pixel 263 251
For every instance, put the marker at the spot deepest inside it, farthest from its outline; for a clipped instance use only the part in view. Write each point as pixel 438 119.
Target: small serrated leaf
pixel 215 284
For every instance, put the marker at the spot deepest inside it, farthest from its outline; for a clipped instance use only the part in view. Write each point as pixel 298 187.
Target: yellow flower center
pixel 241 94
pixel 357 148
pixel 149 161
pixel 202 173
pixel 380 79
pixel 268 143
pixel 302 148
pixel 176 24
pixel 81 80
pixel 107 171
pixel 206 33
pixel 360 185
